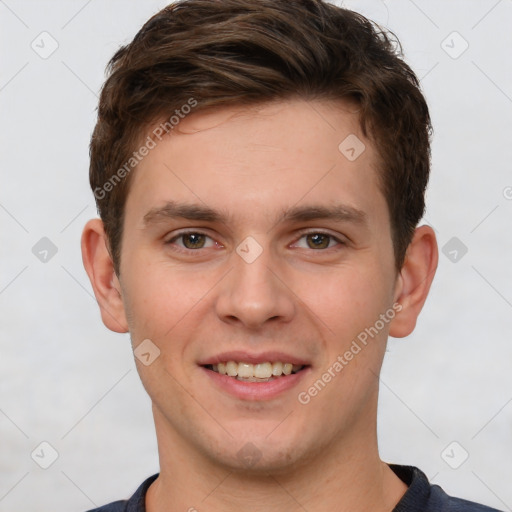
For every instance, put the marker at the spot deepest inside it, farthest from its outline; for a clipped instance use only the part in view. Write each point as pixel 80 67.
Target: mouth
pixel 259 372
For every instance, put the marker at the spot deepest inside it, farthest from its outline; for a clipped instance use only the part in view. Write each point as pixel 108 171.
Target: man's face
pixel 253 270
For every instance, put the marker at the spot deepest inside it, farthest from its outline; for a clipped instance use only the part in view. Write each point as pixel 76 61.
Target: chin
pixel 252 462
pixel 260 455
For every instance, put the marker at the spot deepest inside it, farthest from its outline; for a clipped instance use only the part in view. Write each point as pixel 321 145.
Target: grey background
pixel 68 381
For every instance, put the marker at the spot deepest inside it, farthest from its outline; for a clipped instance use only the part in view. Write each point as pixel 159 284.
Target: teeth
pixel 232 368
pixel 253 372
pixel 263 370
pixel 245 370
pixel 287 368
pixel 277 369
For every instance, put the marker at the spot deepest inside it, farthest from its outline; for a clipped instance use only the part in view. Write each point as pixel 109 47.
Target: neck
pixel 348 476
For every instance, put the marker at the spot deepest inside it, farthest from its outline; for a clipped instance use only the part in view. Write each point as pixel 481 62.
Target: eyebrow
pixel 174 210
pixel 339 212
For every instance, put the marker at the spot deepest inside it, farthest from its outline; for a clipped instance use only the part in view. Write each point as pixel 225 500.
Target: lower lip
pixel 256 390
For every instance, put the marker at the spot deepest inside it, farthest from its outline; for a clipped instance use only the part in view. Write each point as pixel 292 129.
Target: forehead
pixel 260 159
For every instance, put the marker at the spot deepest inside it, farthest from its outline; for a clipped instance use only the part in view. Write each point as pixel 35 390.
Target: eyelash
pixel 302 235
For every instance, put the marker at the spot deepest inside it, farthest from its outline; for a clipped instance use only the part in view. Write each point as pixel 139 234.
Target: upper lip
pixel 254 358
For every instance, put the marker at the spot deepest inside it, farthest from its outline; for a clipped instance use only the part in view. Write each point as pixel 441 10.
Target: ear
pixel 414 280
pixel 100 269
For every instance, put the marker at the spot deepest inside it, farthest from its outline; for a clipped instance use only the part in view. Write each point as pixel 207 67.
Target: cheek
pixel 346 300
pixel 162 299
pixel 146 297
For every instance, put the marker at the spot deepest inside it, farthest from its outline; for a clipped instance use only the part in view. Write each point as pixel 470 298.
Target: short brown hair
pixel 228 52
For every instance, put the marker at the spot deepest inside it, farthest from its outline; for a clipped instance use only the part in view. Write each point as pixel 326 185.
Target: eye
pixel 318 240
pixel 192 240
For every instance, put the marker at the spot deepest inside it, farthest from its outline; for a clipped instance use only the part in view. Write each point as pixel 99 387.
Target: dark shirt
pixel 419 497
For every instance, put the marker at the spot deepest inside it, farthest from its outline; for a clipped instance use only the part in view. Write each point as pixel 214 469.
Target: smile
pixel 259 372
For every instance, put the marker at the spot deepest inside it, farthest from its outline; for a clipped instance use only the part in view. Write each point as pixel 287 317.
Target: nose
pixel 254 294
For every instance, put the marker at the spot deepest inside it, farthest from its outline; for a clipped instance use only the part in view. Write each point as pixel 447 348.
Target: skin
pixel 252 164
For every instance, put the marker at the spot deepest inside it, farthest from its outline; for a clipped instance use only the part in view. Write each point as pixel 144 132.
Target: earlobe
pixel 100 269
pixel 413 283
